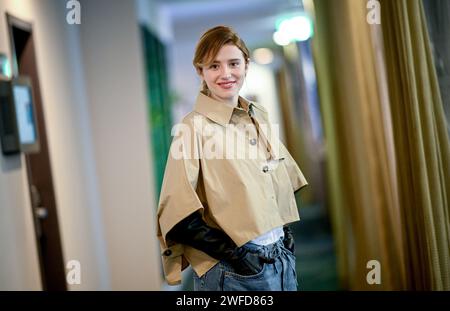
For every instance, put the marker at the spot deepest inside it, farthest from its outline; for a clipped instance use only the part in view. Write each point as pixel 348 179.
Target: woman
pixel 228 189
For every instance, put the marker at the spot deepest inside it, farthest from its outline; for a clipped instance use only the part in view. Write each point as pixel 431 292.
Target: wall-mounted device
pixel 5 68
pixel 18 127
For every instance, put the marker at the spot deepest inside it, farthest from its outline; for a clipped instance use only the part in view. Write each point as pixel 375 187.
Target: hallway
pixel 358 90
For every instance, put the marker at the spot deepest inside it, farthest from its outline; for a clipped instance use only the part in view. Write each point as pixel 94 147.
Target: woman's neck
pixel 233 102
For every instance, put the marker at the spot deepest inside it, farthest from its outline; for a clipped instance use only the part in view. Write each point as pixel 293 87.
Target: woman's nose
pixel 226 73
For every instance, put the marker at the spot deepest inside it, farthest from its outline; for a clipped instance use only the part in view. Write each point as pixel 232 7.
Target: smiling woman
pixel 222 62
pixel 225 75
pixel 228 217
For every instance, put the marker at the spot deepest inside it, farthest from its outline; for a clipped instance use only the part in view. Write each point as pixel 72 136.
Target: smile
pixel 227 85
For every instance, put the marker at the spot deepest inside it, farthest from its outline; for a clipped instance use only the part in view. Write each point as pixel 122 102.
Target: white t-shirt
pixel 269 237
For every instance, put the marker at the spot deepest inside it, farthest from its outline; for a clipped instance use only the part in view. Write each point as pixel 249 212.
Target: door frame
pixel 46 227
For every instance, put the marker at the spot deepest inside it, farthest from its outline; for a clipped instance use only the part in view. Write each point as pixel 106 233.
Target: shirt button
pixel 167 252
pixel 253 141
pixel 265 169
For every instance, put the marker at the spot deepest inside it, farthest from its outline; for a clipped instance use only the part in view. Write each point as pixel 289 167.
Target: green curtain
pixel 158 102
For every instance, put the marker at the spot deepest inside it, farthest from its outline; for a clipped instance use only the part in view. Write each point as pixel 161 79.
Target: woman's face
pixel 225 75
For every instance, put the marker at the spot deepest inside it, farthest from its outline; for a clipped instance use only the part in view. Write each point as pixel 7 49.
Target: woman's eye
pixel 235 64
pixel 213 66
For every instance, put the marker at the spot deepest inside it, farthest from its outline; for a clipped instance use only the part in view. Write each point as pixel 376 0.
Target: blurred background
pixel 360 89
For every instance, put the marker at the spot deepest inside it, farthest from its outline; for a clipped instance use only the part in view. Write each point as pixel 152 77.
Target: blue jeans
pixel 277 276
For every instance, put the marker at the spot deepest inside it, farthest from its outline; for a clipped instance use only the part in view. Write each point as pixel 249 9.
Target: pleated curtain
pixel 422 144
pixel 387 145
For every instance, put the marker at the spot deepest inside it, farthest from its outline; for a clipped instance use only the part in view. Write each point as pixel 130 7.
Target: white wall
pixel 116 93
pixel 94 103
pixel 70 148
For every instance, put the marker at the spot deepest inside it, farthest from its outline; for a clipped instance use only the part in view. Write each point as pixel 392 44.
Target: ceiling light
pixel 296 28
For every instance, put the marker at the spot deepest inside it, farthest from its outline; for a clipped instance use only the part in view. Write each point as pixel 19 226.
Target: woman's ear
pixel 200 72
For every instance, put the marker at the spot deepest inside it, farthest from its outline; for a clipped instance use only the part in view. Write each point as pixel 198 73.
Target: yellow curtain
pixel 362 178
pixel 295 113
pixel 421 143
pixel 387 145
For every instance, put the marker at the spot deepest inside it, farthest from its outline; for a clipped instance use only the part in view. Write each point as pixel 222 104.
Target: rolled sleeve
pixel 178 199
pixel 173 263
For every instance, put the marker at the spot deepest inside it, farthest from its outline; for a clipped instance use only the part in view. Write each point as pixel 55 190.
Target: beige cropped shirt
pixel 228 163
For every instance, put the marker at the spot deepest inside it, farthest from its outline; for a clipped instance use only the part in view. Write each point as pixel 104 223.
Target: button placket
pixel 268 181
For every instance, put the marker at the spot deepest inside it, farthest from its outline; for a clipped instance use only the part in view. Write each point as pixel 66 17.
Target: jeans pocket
pixel 232 273
pixel 251 260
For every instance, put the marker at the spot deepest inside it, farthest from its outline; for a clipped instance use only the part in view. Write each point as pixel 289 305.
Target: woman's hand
pixel 193 231
pixel 245 263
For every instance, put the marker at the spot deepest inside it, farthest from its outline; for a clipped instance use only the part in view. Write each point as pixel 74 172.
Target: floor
pixel 316 260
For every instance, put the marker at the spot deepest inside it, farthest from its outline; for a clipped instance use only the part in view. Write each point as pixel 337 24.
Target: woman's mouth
pixel 227 85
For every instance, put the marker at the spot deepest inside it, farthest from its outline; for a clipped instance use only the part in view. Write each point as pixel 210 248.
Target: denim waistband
pixel 270 251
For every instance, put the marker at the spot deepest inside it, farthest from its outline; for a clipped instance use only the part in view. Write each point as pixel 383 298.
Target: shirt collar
pixel 217 111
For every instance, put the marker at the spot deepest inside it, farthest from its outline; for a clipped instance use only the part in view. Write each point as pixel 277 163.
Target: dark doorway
pixel 38 164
